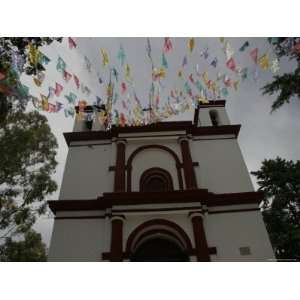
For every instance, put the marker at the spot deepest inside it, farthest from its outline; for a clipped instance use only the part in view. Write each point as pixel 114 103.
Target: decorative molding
pixel 188 127
pixel 200 196
pixel 153 146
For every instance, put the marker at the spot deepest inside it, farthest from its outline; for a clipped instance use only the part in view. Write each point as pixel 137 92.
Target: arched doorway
pixel 158 240
pixel 159 250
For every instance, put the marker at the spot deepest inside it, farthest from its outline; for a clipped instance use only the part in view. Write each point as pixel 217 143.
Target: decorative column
pixel 202 251
pixel 119 184
pixel 116 245
pixel 188 168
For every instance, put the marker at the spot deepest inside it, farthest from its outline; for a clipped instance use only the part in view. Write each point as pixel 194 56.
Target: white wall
pixel 221 166
pixel 86 174
pixel 78 240
pixel 204 118
pixel 153 157
pixel 230 231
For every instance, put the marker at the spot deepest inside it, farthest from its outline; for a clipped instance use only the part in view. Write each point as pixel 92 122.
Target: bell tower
pixel 170 191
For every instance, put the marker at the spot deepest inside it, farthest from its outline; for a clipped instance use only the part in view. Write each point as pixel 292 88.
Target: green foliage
pixel 30 249
pixel 287 86
pixel 14 60
pixel 27 161
pixel 279 179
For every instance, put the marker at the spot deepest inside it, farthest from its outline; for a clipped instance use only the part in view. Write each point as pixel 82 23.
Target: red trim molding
pixel 119 183
pixel 202 250
pixel 189 172
pixel 201 196
pixel 116 246
pixel 188 127
pixel 161 147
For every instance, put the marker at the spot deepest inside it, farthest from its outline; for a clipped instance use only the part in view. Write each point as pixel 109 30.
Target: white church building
pixel 170 191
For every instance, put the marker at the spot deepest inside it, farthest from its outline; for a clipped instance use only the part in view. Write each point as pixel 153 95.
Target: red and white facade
pixel 181 182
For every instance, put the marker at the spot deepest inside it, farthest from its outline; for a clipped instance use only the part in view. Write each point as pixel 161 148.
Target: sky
pixel 263 135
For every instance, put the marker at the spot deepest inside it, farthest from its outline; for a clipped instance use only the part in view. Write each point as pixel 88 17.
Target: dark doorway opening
pixel 159 250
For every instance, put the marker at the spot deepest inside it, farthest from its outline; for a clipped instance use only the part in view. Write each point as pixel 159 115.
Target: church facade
pixel 171 191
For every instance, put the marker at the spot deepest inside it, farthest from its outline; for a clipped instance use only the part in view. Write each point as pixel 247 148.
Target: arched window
pixel 214 117
pixel 156 180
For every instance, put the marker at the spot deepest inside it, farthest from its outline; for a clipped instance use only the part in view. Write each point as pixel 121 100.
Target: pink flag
pixel 72 43
pixel 51 107
pixel 76 79
pixel 58 89
pixel 168 45
pixel 254 54
pixel 231 64
pixel 296 48
pixel 67 76
pixel 123 88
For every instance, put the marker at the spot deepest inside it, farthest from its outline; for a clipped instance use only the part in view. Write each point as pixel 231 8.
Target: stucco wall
pixel 86 174
pixel 221 166
pixel 79 239
pixel 230 231
pixel 204 118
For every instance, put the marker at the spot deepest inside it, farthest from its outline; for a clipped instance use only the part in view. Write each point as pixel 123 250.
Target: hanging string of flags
pixel 122 106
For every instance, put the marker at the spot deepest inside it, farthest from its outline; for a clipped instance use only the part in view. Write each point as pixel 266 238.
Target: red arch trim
pixel 142 148
pixel 143 227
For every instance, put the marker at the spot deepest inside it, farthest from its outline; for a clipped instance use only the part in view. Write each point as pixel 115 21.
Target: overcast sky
pixel 263 135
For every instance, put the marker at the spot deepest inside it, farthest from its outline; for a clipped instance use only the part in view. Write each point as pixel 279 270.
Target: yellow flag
pixel 191 44
pixel 264 62
pixel 222 40
pixel 105 59
pixel 33 54
pixel 236 85
pixel 162 73
pixel 127 72
pixel 45 103
pixel 180 73
pixel 205 77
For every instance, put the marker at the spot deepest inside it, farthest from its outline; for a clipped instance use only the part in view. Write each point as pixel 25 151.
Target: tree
pixel 27 161
pixel 30 249
pixel 18 55
pixel 279 179
pixel 288 84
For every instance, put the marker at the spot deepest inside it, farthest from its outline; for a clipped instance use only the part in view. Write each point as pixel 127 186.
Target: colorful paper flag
pixel 51 92
pixel 115 74
pixel 121 55
pixel 264 62
pixel 33 54
pixel 61 65
pixel 76 80
pixel 275 65
pixel 127 73
pixel 191 44
pixel 168 45
pixel 214 62
pixel 123 88
pixel 184 63
pixel 58 89
pixel 59 106
pixel 71 98
pixel 43 59
pixel 228 50
pixel 67 76
pixel 88 64
pixel 72 43
pixel 231 64
pixel 45 103
pixel 164 61
pixel 245 45
pixel 180 73
pixel 105 60
pixel 254 55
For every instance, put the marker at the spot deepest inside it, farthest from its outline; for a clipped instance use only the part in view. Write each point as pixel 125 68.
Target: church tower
pixel 170 191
